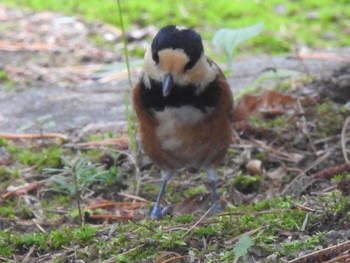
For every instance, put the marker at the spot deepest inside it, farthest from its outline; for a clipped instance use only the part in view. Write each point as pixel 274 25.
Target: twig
pixel 306 219
pixel 108 217
pixel 121 143
pixel 173 259
pixel 164 255
pixel 322 255
pixel 289 157
pixel 303 207
pixel 24 189
pixel 109 204
pixel 40 227
pixel 324 56
pixel 199 220
pixel 11 136
pixel 339 259
pixel 112 259
pixel 138 198
pixel 249 233
pixel 30 252
pixel 312 165
pixel 303 124
pixel 333 171
pixel 343 138
pixel 271 211
pixel 330 189
pixel 37 46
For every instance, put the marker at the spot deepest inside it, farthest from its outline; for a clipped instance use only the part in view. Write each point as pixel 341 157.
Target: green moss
pixel 184 219
pixel 308 244
pixel 196 190
pixel 247 184
pixel 85 233
pixel 8 209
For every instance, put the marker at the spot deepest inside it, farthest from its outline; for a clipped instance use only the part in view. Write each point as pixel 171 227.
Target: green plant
pixel 229 38
pixel 242 246
pixel 74 178
pixel 85 233
pixel 41 123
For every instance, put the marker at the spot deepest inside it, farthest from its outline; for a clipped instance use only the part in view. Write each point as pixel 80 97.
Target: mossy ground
pixel 45 223
pixel 42 224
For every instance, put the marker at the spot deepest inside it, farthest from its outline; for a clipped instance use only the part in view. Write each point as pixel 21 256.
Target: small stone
pixel 272 258
pixel 280 9
pixel 312 15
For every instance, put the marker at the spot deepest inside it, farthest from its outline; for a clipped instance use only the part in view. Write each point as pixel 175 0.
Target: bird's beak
pixel 168 84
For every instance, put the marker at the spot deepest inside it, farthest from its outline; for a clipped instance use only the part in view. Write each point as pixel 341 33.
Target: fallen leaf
pixel 264 105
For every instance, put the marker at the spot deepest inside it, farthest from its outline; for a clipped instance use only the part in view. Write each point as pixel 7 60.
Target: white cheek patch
pixel 170 119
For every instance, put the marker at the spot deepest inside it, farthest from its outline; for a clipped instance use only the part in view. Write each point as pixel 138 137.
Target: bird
pixel 184 107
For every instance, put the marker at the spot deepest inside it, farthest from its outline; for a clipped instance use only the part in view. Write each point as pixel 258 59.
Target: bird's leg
pixel 214 197
pixel 157 211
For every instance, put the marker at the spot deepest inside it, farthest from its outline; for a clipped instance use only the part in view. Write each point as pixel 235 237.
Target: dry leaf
pixel 266 104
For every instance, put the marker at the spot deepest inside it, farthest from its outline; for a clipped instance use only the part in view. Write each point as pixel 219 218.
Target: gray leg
pixel 212 180
pixel 157 211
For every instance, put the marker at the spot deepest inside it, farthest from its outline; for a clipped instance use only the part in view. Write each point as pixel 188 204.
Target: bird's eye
pixel 155 57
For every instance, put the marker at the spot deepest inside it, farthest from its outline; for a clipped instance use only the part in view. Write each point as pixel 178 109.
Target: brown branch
pixel 334 171
pixel 324 56
pixel 12 136
pixel 303 207
pixel 36 46
pixel 121 143
pixel 24 190
pixel 174 259
pixel 108 204
pixel 339 259
pixel 324 254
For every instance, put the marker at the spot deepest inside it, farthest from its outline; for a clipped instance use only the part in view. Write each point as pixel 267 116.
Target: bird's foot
pixel 216 208
pixel 157 212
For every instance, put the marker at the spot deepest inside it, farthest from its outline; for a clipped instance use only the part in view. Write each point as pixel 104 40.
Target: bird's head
pixel 176 58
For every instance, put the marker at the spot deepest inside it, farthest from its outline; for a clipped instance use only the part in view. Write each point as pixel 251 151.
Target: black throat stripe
pixel 152 99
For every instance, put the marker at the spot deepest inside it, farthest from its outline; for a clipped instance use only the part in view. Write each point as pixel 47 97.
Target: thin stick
pixel 339 259
pixel 343 138
pixel 200 219
pixel 112 259
pixel 30 252
pixel 320 255
pixel 312 165
pixel 12 136
pixel 174 259
pixel 249 233
pixel 306 219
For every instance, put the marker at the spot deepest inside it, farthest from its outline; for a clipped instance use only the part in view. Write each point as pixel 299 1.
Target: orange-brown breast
pixel 202 144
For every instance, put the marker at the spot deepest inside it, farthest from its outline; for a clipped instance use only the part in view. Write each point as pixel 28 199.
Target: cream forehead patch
pixel 172 60
pixel 181 28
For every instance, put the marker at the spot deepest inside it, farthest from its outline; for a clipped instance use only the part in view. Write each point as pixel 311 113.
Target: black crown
pixel 174 37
